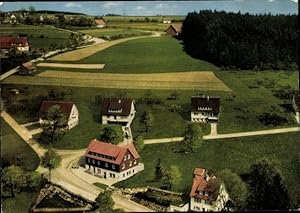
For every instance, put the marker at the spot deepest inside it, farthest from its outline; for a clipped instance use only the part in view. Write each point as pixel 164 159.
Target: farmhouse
pixel 205 109
pixel 296 105
pixel 67 107
pixel 174 29
pixel 27 68
pixel 207 194
pixel 166 21
pixel 100 23
pixel 111 161
pixel 118 111
pixel 20 43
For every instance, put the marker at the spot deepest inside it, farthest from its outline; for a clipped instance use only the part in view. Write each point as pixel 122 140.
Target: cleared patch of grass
pixel 20 204
pixel 112 32
pixel 14 148
pixel 100 185
pixel 148 55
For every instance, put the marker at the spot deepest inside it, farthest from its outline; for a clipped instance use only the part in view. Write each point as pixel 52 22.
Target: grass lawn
pixel 12 145
pixel 100 185
pixel 20 204
pixel 236 154
pixel 237 113
pixel 112 32
pixel 126 19
pixel 147 55
pixel 38 36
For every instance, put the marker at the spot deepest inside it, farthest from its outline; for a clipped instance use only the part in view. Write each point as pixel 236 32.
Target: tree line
pixel 242 41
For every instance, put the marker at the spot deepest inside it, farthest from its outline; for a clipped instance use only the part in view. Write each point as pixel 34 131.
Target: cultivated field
pixel 39 36
pixel 88 51
pixel 79 66
pixel 108 32
pixel 179 80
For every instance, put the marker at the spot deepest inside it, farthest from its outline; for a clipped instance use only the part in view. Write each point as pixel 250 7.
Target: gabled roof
pixel 111 150
pixel 176 27
pixel 8 41
pixel 28 65
pixel 116 106
pixel 100 22
pixel 208 102
pixel 65 106
pixel 202 183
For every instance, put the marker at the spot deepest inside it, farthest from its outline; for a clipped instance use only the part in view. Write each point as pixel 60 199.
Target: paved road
pixel 252 133
pixel 64 176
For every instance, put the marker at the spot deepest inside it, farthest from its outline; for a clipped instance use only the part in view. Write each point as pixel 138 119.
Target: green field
pixel 238 108
pixel 20 204
pixel 109 32
pixel 141 18
pixel 12 145
pixel 38 36
pixel 236 154
pixel 148 55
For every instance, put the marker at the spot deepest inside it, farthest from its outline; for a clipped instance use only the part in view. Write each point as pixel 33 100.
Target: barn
pixel 174 29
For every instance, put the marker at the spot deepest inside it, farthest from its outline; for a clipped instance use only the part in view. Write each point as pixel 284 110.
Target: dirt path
pixel 80 66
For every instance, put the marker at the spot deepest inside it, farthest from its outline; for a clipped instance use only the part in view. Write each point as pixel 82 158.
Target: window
pixel 133 171
pixel 128 156
pixel 98 162
pixel 123 165
pixel 113 166
pixel 88 160
pixel 134 162
pixel 124 175
pixel 130 163
pixel 93 161
pixel 206 202
pixel 106 164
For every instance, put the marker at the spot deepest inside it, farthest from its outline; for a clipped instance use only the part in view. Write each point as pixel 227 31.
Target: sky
pixel 147 8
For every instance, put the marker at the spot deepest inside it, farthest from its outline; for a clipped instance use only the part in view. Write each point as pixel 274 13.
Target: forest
pixel 242 41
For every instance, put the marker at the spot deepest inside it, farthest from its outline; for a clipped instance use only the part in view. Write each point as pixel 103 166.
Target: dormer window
pixel 115 110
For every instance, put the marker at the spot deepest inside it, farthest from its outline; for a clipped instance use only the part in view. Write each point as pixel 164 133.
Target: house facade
pixel 67 107
pixel 205 109
pixel 20 43
pixel 111 161
pixel 296 105
pixel 174 29
pixel 207 194
pixel 118 111
pixel 26 68
pixel 100 23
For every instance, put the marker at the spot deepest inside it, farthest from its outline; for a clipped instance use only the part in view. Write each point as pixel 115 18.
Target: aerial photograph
pixel 149 106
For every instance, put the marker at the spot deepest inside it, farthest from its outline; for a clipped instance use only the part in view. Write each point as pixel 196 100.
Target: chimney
pixel 119 101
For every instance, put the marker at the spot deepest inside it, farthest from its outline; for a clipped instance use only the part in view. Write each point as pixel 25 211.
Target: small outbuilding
pixel 27 68
pixel 174 29
pixel 100 23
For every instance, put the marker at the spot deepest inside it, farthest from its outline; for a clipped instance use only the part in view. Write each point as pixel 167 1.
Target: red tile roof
pixel 65 106
pixel 28 65
pixel 123 104
pixel 202 101
pixel 100 22
pixel 201 183
pixel 7 42
pixel 111 150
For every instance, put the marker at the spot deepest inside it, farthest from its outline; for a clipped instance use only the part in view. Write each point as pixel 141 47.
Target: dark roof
pixel 115 104
pixel 111 150
pixel 8 41
pixel 176 27
pixel 65 106
pixel 202 101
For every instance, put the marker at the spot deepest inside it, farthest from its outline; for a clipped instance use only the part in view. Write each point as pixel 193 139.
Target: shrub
pixel 272 118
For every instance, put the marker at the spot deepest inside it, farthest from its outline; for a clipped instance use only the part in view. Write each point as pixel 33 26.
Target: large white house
pixel 67 107
pixel 118 111
pixel 296 105
pixel 207 194
pixel 205 109
pixel 111 161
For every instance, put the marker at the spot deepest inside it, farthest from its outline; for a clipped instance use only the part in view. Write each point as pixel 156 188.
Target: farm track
pixel 78 66
pixel 180 80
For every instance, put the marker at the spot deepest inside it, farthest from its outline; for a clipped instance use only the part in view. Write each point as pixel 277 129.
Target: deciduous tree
pixel 112 134
pixel 51 160
pixel 193 137
pixel 139 143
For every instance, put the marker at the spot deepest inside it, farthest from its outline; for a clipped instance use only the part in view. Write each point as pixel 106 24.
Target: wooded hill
pixel 244 41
